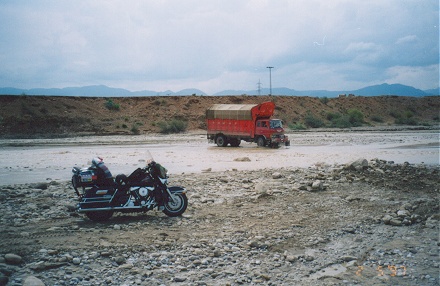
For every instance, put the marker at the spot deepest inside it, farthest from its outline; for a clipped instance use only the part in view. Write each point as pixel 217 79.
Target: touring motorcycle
pixel 143 190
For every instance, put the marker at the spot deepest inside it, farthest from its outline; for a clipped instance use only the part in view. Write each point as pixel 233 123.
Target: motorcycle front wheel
pixel 99 215
pixel 176 206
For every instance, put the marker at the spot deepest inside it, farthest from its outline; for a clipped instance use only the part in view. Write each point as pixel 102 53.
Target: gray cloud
pixel 216 45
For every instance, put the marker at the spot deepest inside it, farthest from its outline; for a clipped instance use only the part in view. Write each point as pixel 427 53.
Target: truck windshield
pixel 276 124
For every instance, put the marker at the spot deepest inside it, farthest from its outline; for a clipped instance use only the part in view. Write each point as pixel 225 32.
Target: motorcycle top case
pixel 86 178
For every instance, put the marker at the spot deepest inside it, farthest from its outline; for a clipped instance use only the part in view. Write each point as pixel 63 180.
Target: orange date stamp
pixel 391 270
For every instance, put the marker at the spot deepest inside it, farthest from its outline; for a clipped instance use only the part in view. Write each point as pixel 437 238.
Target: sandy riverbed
pixel 38 160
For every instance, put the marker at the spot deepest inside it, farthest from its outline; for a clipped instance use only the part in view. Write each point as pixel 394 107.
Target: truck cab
pixel 270 132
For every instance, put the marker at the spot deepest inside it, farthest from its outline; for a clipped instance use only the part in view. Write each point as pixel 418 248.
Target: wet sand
pixel 40 160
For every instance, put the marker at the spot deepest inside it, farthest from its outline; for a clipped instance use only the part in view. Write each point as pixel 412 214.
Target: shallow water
pixel 39 160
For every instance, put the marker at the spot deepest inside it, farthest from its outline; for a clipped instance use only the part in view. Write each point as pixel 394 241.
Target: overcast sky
pixel 216 45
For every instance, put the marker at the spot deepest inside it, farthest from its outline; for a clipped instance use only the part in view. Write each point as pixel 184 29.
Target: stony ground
pixel 370 223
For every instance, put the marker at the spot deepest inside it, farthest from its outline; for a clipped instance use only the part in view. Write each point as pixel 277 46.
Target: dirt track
pixel 247 224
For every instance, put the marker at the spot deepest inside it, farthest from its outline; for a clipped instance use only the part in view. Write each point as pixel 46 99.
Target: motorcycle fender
pixel 177 190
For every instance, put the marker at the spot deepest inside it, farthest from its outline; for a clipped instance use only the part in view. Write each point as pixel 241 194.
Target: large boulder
pixel 358 165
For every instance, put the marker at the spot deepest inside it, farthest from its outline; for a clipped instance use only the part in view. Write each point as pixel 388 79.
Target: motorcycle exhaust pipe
pixel 81 210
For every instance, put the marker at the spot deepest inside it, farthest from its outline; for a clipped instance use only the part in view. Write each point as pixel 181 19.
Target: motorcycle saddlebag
pixel 86 178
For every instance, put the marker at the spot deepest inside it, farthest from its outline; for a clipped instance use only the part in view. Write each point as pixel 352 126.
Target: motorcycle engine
pixel 143 192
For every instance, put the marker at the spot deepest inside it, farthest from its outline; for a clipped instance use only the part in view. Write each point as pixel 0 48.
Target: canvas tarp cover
pixel 230 111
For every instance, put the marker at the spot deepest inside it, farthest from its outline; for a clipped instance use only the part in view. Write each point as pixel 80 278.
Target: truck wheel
pixel 235 142
pixel 221 141
pixel 261 142
pixel 275 145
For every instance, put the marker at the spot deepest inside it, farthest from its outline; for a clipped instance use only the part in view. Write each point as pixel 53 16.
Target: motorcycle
pixel 143 190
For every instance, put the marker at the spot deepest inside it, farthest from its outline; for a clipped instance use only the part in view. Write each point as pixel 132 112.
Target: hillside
pixel 45 116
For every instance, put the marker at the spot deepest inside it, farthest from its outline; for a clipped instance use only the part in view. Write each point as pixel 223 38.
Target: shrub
pixel 395 114
pixel 111 105
pixel 297 126
pixel 134 129
pixel 377 118
pixel 324 100
pixel 332 116
pixel 160 102
pixel 356 117
pixel 173 126
pixel 407 118
pixel 342 121
pixel 406 121
pixel 312 121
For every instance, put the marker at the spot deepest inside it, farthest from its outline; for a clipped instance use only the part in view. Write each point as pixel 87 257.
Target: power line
pixel 270 79
pixel 259 87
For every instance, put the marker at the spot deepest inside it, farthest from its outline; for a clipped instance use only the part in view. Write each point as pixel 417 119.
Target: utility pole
pixel 270 79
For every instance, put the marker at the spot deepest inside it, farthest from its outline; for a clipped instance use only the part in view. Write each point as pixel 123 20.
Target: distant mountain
pixel 93 91
pixel 434 91
pixel 105 91
pixel 389 89
pixel 375 90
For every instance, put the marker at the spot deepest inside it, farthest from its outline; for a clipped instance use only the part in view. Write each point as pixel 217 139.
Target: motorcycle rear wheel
pixel 99 215
pixel 176 206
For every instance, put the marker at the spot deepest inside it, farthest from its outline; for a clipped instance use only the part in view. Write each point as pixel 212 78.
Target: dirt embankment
pixel 30 116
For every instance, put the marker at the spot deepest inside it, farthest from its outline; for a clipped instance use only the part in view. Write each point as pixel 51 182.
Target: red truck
pixel 231 123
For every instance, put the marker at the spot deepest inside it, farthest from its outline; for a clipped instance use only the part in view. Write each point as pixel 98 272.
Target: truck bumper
pixel 280 140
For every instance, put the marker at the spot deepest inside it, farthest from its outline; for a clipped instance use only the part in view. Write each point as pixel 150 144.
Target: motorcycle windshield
pixel 148 157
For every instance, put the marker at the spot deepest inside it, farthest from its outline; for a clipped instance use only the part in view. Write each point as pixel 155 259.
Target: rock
pixel 358 165
pixel 403 213
pixel 119 260
pixel 3 280
pixel 242 159
pixel 387 218
pixel 76 260
pixel 317 185
pixel 431 222
pixel 395 222
pixel 40 186
pixel 277 175
pixel 14 259
pixel 348 258
pixel 33 281
pixel 261 188
pixel 179 279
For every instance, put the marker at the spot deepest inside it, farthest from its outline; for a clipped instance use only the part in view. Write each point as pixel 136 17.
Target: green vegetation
pixel 312 121
pixel 377 118
pixel 355 117
pixel 160 102
pixel 135 129
pixel 352 118
pixel 341 121
pixel 324 100
pixel 407 118
pixel 173 126
pixel 110 105
pixel 297 126
pixel 26 110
